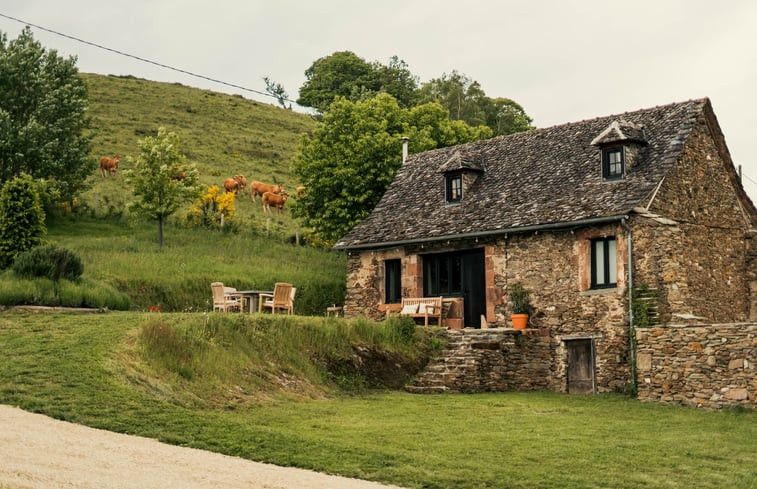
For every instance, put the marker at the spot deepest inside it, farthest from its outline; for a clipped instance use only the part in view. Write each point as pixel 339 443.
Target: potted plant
pixel 519 299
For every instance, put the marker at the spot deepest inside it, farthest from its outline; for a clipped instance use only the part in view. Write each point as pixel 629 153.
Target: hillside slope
pixel 223 135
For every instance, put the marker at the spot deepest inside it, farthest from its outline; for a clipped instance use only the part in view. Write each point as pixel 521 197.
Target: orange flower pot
pixel 519 321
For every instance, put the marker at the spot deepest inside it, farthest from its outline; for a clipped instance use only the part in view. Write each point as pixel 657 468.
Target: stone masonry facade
pixel 708 366
pixel 691 242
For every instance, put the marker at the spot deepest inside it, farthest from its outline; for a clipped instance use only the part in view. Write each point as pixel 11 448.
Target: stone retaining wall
pixel 488 360
pixel 703 365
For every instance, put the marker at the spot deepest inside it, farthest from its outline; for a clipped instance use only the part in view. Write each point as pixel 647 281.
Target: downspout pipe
pixel 631 326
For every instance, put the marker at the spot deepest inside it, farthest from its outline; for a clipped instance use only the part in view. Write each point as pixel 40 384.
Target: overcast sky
pixel 563 61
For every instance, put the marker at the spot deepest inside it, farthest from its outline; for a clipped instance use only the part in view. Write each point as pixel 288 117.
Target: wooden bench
pixel 423 307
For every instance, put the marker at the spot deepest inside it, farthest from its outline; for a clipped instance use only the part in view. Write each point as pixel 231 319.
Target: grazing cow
pixel 259 188
pixel 181 173
pixel 276 200
pixel 231 185
pixel 242 182
pixel 108 166
pixel 300 190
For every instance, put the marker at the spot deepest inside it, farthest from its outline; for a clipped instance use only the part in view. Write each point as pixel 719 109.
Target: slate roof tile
pixel 544 176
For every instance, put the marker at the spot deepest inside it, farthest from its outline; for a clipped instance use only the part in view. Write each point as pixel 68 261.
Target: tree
pixel 277 91
pixel 465 100
pixel 22 220
pixel 505 116
pixel 354 154
pixel 43 128
pixel 345 74
pixel 161 179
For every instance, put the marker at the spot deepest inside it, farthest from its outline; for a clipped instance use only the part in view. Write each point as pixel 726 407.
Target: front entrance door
pixel 580 366
pixel 455 274
pixel 473 287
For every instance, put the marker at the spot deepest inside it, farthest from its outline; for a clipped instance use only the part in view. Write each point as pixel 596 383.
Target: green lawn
pixel 71 367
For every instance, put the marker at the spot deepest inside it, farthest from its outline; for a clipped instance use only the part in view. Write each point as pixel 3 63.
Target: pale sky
pixel 563 61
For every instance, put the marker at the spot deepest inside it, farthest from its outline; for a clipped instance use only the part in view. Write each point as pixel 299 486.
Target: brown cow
pixel 231 185
pixel 108 166
pixel 180 173
pixel 242 182
pixel 300 190
pixel 276 200
pixel 259 188
pixel 235 184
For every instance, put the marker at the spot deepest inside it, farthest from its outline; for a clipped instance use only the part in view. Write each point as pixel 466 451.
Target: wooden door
pixel 580 366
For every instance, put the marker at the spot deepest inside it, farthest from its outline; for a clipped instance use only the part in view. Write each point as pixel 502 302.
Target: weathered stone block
pixel 737 394
pixel 736 363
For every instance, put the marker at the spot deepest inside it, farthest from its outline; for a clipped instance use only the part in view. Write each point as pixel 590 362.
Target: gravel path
pixel 37 452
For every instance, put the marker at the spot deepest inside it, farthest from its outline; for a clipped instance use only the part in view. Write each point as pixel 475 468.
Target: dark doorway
pixel 474 288
pixel 458 274
pixel 580 366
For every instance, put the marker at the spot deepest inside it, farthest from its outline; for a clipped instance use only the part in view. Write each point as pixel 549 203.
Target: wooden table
pixel 251 297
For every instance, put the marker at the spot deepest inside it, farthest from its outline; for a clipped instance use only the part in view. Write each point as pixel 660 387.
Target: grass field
pixel 125 257
pixel 90 369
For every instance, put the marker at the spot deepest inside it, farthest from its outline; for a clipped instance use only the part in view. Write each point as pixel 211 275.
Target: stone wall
pixel 555 266
pixel 485 360
pixel 691 245
pixel 704 365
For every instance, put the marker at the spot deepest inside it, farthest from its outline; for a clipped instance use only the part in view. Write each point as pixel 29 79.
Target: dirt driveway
pixel 38 452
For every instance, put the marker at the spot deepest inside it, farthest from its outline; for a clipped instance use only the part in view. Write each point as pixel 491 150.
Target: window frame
pixel 609 263
pixel 442 274
pixel 393 281
pixel 606 165
pixel 449 181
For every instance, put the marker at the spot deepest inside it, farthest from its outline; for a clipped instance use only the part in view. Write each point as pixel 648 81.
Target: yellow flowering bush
pixel 214 209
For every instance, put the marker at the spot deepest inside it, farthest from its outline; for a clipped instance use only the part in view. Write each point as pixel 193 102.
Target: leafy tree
pixel 43 128
pixel 277 91
pixel 162 180
pixel 465 100
pixel 22 220
pixel 505 116
pixel 345 74
pixel 459 94
pixel 353 156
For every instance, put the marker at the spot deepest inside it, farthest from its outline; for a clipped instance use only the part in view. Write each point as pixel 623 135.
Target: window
pixel 454 188
pixel 392 281
pixel 442 274
pixel 612 163
pixel 603 263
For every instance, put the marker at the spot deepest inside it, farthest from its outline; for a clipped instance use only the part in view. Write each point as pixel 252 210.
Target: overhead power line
pixel 145 60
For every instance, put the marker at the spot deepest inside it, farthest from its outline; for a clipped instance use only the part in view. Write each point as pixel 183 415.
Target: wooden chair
pixel 282 299
pixel 224 299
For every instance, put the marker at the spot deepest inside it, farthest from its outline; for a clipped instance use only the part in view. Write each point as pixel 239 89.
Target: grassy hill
pixel 223 135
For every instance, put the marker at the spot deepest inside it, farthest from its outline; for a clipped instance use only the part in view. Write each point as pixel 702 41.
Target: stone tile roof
pixel 533 178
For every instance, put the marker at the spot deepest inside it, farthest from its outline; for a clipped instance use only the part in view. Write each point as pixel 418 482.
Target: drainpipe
pixel 631 327
pixel 405 140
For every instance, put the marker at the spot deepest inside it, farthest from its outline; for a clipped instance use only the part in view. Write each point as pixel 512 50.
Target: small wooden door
pixel 580 366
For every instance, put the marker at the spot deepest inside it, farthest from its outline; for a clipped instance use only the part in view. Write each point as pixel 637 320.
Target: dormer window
pixel 613 163
pixel 454 188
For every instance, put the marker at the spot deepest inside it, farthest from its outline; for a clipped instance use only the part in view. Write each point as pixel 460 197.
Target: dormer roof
pixel 461 161
pixel 620 132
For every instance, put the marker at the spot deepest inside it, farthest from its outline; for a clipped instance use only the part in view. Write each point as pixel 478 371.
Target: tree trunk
pixel 160 231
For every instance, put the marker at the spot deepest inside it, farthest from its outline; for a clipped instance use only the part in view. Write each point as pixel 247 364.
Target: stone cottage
pixel 581 214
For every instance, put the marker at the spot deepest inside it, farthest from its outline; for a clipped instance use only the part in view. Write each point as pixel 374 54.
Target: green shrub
pixel 22 220
pixel 50 262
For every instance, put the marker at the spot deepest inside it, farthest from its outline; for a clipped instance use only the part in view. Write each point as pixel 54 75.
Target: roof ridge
pixel 593 119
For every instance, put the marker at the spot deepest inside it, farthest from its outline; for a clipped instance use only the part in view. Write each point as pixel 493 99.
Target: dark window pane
pixel 603 263
pixel 393 282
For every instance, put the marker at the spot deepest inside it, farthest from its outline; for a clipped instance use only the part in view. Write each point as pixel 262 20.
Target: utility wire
pixel 214 80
